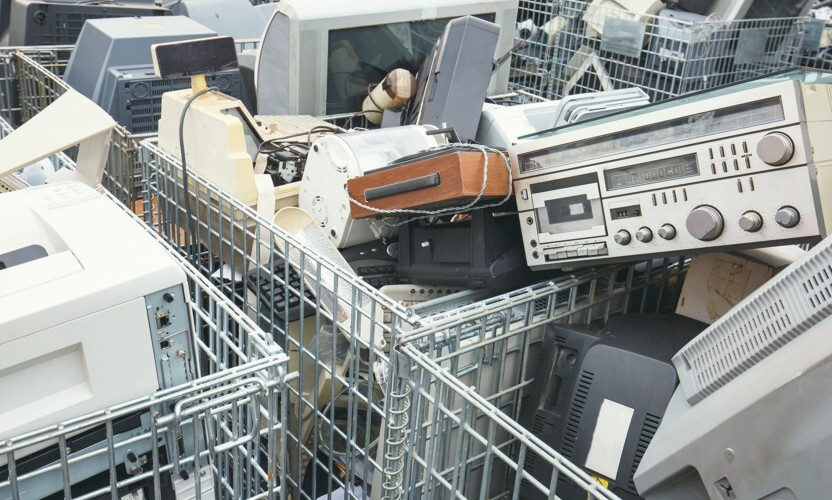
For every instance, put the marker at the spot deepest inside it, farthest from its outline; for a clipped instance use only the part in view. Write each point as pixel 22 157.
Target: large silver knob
pixel 751 221
pixel 705 223
pixel 622 237
pixel 667 232
pixel 787 216
pixel 644 234
pixel 775 148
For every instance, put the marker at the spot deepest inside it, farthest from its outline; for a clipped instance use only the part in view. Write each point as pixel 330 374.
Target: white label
pixel 608 438
pixel 576 209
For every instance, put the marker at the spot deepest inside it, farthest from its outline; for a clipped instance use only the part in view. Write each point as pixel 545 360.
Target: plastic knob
pixel 667 232
pixel 622 237
pixel 751 221
pixel 787 217
pixel 775 148
pixel 644 234
pixel 705 223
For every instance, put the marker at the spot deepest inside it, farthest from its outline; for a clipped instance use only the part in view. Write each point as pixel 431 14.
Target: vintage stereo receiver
pixel 735 167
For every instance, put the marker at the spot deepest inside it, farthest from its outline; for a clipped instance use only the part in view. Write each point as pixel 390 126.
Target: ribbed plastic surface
pixel 778 312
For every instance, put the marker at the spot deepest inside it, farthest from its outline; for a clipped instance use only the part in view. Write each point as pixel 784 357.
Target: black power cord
pixel 189 227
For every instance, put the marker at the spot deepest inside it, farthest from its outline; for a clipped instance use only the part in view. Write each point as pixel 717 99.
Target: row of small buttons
pixel 574 251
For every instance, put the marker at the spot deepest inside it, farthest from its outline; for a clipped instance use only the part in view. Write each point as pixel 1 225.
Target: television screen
pixel 359 57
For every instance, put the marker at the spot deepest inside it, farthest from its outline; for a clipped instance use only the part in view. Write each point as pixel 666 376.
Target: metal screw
pixel 529 221
pixel 181 353
pixel 134 470
pixel 729 454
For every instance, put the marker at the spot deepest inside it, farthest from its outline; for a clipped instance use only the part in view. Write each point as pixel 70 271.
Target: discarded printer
pixel 737 167
pixel 81 331
pixel 504 126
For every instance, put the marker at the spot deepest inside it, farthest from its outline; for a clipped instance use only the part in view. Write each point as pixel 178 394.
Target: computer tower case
pixel 33 22
pixel 593 377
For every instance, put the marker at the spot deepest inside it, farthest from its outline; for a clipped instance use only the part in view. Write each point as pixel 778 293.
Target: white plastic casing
pixel 334 159
pixel 74 329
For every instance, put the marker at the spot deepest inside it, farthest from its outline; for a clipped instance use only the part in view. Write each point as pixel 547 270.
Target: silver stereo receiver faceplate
pixel 732 168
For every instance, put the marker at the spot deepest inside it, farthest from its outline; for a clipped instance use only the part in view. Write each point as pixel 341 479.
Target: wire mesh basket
pixel 215 437
pixel 816 47
pixel 462 378
pixel 53 58
pixel 575 47
pixel 337 329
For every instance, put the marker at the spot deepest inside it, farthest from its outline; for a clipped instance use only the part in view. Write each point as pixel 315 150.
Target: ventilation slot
pixel 576 411
pixel 554 394
pixel 539 423
pixel 819 288
pixel 785 308
pixel 648 430
pixel 531 461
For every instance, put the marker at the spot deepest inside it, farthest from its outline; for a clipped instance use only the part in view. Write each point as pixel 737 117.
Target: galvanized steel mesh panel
pixel 575 48
pixel 463 374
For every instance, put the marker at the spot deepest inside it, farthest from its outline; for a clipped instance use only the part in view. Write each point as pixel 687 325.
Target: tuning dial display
pixel 644 234
pixel 787 217
pixel 751 221
pixel 622 237
pixel 705 223
pixel 775 148
pixel 667 232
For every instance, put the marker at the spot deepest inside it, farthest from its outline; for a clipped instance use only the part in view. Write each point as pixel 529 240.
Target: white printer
pixel 504 126
pixel 93 310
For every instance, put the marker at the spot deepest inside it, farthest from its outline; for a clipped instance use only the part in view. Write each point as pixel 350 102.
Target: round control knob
pixel 787 216
pixel 751 221
pixel 775 148
pixel 705 223
pixel 644 234
pixel 622 237
pixel 667 232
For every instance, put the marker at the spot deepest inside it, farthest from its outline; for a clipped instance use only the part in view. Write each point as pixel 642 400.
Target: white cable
pixel 450 210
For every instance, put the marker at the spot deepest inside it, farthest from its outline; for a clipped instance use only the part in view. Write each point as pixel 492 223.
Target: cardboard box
pixel 716 282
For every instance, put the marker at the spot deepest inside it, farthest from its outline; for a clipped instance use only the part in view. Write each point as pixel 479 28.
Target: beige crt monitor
pixel 317 57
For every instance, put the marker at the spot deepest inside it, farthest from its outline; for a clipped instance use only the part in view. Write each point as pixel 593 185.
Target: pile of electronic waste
pixel 446 189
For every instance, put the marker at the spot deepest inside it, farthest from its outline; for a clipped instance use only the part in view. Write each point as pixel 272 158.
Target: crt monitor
pixel 318 58
pixel 38 22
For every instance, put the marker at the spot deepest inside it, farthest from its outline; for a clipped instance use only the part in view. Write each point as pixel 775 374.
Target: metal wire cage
pixel 337 330
pixel 216 437
pixel 576 47
pixel 53 58
pixel 462 378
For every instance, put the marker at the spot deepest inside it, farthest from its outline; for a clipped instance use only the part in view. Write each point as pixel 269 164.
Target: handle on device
pixel 402 187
